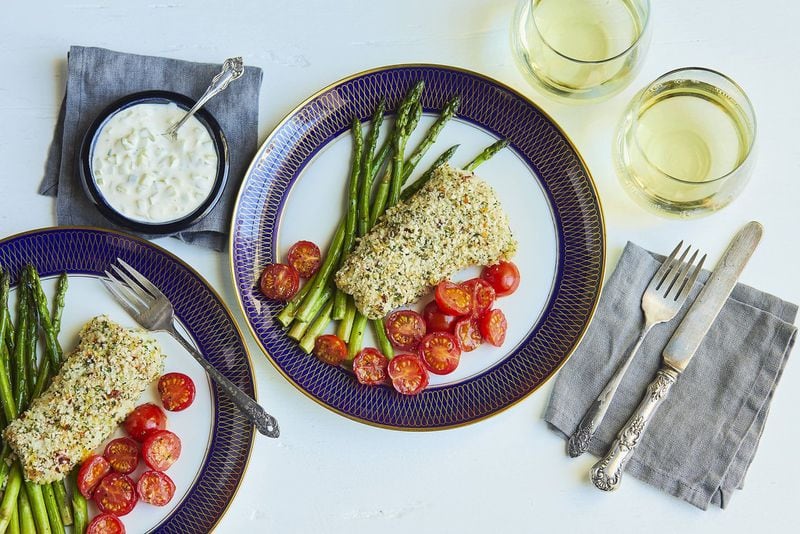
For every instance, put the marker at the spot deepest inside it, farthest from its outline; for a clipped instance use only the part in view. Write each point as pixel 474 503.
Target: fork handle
pixel 607 473
pixel 579 440
pixel 264 422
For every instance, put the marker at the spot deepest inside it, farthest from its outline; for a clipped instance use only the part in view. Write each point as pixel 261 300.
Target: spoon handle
pixel 232 69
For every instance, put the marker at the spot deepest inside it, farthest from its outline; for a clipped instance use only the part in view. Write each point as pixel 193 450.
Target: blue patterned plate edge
pixel 597 269
pixel 233 437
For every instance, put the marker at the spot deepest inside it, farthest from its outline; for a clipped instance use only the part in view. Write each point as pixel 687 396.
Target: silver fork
pixel 661 301
pixel 153 311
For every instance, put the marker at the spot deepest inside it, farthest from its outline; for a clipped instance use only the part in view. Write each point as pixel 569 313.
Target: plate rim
pixel 270 137
pixel 213 291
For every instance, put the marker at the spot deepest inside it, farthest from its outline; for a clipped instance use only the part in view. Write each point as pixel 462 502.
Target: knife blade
pixel 698 320
pixel 606 474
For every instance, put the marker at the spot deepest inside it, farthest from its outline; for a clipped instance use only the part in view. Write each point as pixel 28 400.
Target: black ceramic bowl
pixel 85 157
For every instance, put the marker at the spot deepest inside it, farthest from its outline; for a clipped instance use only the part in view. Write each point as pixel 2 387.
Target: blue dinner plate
pixel 542 155
pixel 83 252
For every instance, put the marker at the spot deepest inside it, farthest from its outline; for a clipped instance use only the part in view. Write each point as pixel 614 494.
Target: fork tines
pixel 678 273
pixel 131 288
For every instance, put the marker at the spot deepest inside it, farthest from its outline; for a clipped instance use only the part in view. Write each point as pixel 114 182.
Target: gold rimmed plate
pixel 216 440
pixel 295 189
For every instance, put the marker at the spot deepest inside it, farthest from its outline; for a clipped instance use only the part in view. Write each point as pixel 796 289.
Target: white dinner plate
pixel 295 190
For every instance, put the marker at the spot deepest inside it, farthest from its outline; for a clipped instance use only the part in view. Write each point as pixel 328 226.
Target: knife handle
pixel 607 473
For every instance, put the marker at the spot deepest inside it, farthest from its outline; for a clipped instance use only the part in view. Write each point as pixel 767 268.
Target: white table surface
pixel 509 473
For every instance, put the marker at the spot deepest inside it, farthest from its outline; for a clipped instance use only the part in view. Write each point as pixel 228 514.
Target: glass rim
pixel 630 47
pixel 749 109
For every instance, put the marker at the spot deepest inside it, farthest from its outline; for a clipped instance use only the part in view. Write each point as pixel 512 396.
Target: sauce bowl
pixel 89 180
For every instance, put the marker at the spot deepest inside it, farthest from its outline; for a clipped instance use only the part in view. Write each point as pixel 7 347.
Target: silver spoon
pixel 232 69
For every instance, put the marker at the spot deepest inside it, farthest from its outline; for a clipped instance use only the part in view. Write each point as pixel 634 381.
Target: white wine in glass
pixel 685 145
pixel 584 49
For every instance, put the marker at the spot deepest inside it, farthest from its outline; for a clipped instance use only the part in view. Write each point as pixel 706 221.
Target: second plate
pixel 295 189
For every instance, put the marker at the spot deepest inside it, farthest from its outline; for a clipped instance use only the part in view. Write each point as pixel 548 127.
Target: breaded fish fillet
pixel 453 222
pixel 97 387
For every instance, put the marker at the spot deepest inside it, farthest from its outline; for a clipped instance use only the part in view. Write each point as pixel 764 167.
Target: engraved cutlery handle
pixel 232 69
pixel 607 473
pixel 264 422
pixel 579 440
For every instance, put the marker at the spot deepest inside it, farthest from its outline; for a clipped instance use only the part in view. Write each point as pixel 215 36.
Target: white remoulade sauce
pixel 147 176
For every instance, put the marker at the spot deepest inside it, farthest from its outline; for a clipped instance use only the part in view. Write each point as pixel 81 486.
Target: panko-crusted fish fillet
pixel 453 222
pixel 97 387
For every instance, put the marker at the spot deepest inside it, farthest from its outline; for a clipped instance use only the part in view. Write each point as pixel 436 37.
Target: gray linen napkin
pixel 703 438
pixel 96 77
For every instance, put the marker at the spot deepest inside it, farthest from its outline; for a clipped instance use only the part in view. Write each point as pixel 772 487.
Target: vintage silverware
pixel 661 301
pixel 232 69
pixel 607 473
pixel 153 311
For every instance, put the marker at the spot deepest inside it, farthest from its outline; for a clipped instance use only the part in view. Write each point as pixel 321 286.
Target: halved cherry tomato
pixel 105 524
pixel 161 449
pixel 279 281
pixel 483 295
pixel 143 420
pixel 468 334
pixel 453 299
pixel 408 375
pixel 177 391
pixel 436 319
pixel 493 327
pixel 116 494
pixel 123 455
pixel 330 349
pixel 440 352
pixel 155 488
pixel 305 257
pixel 504 277
pixel 92 471
pixel 370 367
pixel 405 328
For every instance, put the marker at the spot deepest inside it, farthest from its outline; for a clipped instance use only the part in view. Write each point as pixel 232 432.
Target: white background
pixel 509 473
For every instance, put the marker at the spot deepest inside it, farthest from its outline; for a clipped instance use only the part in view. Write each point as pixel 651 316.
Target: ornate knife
pixel 607 473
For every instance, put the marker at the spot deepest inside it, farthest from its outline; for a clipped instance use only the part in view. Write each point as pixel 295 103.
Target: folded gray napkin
pixel 704 436
pixel 96 77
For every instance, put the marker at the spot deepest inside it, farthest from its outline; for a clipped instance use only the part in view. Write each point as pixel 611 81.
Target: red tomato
pixel 279 281
pixel 468 334
pixel 370 366
pixel 504 277
pixel 452 298
pixel 177 391
pixel 408 375
pixel 493 327
pixel 405 328
pixel 436 319
pixel 123 455
pixel 483 295
pixel 305 257
pixel 440 352
pixel 92 471
pixel 161 449
pixel 143 420
pixel 330 349
pixel 155 488
pixel 116 494
pixel 105 524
